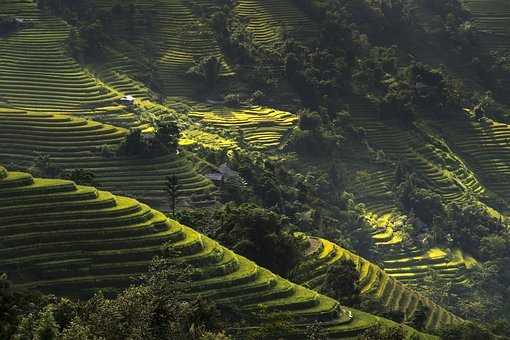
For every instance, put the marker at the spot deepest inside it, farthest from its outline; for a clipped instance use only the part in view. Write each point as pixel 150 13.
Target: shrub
pixel 138 144
pixel 108 151
pixel 168 132
pixel 80 176
pixel 43 166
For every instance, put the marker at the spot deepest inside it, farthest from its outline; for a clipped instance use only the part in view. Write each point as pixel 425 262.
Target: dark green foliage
pixel 419 317
pixel 44 166
pixel 87 42
pixel 495 246
pixel 397 103
pixel 470 226
pixel 258 97
pixel 207 69
pixel 318 75
pixel 133 144
pixel 435 89
pixel 315 139
pixel 423 202
pixel 259 234
pixel 80 176
pixel 341 283
pixel 14 304
pixel 466 331
pixel 383 333
pixel 138 144
pixel 157 308
pixel 172 190
pixel 232 100
pixel 370 71
pixel 168 132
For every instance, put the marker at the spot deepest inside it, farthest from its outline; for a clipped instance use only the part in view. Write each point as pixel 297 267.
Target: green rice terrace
pixel 75 143
pixel 89 239
pixel 374 282
pixel 254 169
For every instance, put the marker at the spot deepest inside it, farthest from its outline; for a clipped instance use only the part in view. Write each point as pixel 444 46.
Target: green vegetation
pixel 339 273
pixel 68 143
pixel 378 127
pixel 129 235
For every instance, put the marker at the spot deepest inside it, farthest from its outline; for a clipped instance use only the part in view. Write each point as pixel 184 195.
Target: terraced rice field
pixel 178 36
pixel 35 71
pixel 486 146
pixel 68 239
pixel 445 173
pixel 410 265
pixel 268 19
pixel 492 18
pixel 374 282
pixel 432 159
pixel 76 143
pixel 260 127
pixel 374 188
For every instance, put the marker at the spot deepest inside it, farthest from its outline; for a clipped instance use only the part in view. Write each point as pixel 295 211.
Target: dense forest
pixel 254 169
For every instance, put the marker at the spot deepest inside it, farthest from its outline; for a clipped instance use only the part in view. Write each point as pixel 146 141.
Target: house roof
pixel 128 98
pixel 227 171
pixel 215 176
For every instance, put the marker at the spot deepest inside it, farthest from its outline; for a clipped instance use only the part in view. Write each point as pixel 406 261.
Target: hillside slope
pixel 71 240
pixel 374 282
pixel 74 143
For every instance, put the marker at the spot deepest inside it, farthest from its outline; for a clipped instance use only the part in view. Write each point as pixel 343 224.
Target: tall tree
pixel 172 189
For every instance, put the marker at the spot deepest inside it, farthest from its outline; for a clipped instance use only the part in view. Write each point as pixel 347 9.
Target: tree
pixel 80 176
pixel 9 24
pixel 258 234
pixel 168 132
pixel 207 69
pixel 383 333
pixel 39 326
pixel 172 190
pixel 341 283
pixel 466 331
pixel 44 167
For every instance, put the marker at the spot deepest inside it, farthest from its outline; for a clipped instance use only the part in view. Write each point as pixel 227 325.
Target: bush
pixel 168 132
pixel 108 151
pixel 44 166
pixel 80 176
pixel 136 144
